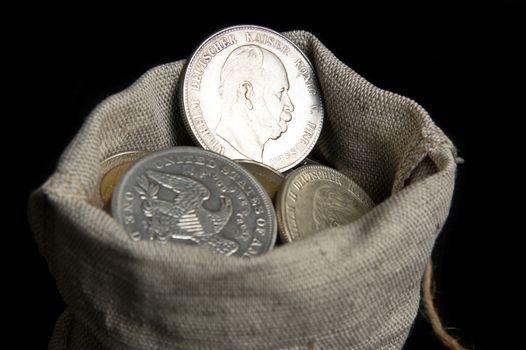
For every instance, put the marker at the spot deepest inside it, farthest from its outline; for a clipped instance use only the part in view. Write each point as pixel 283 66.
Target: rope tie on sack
pixel 432 315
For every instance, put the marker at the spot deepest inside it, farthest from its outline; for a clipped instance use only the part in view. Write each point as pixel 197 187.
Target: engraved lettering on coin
pixel 316 197
pixel 192 196
pixel 250 93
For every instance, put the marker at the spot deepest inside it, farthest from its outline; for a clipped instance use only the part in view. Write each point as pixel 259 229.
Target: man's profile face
pixel 254 84
pixel 276 102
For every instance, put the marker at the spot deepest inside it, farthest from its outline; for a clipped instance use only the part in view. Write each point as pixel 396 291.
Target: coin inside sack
pixel 316 197
pixel 250 93
pixel 269 178
pixel 192 196
pixel 112 168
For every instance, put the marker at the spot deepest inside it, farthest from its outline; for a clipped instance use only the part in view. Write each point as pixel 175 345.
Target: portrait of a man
pixel 255 102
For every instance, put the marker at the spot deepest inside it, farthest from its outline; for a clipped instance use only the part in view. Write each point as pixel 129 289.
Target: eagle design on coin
pixel 184 217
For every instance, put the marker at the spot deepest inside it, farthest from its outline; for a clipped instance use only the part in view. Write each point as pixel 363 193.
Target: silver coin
pixel 250 93
pixel 316 197
pixel 193 196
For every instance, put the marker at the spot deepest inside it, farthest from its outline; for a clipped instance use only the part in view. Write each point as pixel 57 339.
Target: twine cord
pixel 432 315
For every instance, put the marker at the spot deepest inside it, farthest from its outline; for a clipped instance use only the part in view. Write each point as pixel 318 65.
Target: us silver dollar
pixel 316 197
pixel 250 93
pixel 192 196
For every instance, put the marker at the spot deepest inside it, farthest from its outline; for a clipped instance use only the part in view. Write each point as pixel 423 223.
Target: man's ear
pixel 247 94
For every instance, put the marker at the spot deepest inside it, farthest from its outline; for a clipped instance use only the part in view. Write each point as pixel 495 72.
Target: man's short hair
pixel 243 64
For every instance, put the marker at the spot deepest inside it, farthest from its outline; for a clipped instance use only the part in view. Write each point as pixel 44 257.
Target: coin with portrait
pixel 250 93
pixel 316 197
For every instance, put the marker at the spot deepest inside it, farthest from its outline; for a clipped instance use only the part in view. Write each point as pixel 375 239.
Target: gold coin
pixel 112 168
pixel 268 177
pixel 316 197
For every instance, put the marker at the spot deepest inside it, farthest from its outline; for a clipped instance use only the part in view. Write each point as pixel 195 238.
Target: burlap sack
pixel 352 287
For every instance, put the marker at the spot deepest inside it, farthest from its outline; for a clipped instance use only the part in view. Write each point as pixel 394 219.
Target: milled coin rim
pixel 117 193
pixel 185 106
pixel 286 234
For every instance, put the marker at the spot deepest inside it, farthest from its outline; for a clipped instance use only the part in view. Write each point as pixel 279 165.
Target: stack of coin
pixel 251 95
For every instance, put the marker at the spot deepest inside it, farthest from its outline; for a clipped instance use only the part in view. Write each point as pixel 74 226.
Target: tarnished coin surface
pixel 269 178
pixel 315 197
pixel 197 197
pixel 112 168
pixel 250 93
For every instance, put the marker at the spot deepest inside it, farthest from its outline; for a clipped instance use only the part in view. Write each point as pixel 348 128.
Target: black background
pixel 460 63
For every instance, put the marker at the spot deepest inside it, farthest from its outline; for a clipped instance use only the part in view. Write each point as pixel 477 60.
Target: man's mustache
pixel 284 118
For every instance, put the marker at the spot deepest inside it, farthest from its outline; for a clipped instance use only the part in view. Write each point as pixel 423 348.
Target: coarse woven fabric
pixel 351 287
